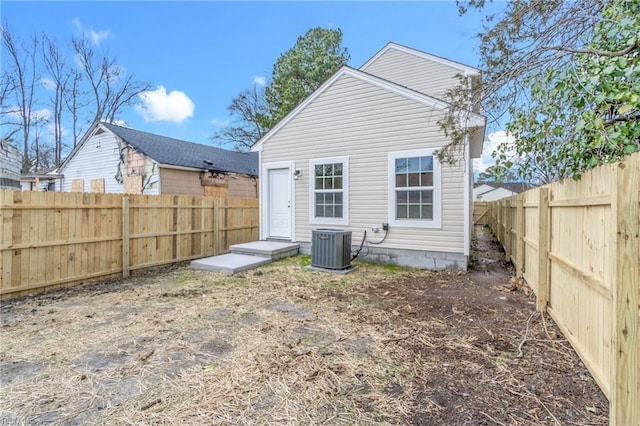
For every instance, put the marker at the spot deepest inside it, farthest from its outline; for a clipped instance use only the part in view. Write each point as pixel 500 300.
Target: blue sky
pixel 199 55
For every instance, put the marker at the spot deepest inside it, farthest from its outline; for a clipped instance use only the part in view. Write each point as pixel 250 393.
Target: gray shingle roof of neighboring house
pixel 176 152
pixel 516 187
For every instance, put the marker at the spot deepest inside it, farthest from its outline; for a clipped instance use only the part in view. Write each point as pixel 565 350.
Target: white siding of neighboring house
pixel 356 119
pixel 416 73
pixel 98 157
pixel 495 194
pixel 481 189
pixel 10 165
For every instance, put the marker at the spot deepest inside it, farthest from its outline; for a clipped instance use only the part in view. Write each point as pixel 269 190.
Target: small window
pixel 328 191
pixel 414 189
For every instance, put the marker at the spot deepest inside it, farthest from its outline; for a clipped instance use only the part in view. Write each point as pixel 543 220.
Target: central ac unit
pixel 331 248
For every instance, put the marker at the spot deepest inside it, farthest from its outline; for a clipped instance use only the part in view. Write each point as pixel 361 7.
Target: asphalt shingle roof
pixel 176 152
pixel 511 186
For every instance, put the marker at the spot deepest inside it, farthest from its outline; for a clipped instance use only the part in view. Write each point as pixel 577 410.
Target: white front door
pixel 279 203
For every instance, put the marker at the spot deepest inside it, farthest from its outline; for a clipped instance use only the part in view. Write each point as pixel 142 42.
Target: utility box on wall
pixel 331 248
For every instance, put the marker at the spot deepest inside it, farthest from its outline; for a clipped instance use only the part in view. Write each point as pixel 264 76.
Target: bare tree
pixel 42 153
pixel 110 87
pixel 249 111
pixel 59 74
pixel 7 87
pixel 23 77
pixel 75 100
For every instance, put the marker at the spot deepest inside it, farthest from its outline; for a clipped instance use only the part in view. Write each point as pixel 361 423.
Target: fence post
pixel 216 226
pixel 520 229
pixel 500 215
pixel 625 380
pixel 495 209
pixel 508 235
pixel 543 250
pixel 125 237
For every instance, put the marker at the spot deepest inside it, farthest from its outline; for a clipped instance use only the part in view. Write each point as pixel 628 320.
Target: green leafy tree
pixel 587 112
pixel 563 77
pixel 303 68
pixel 296 74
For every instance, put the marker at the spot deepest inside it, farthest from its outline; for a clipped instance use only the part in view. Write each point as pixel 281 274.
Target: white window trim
pixel 437 191
pixel 344 221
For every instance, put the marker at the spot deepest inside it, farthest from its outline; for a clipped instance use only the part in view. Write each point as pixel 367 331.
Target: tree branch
pixel 606 53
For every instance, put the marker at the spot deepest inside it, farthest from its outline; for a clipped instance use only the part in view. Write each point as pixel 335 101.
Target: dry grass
pixel 265 347
pixel 281 345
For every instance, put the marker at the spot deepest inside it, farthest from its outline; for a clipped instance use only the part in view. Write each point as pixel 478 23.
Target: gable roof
pixel 464 69
pixel 474 120
pixel 516 187
pixel 175 152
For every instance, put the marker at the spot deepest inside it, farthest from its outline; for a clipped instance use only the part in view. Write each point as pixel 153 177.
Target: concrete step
pixel 229 263
pixel 270 249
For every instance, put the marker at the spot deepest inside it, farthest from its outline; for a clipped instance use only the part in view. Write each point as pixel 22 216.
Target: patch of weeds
pixel 304 260
pixel 209 368
pixel 388 268
pixel 392 269
pixel 501 361
pixel 183 278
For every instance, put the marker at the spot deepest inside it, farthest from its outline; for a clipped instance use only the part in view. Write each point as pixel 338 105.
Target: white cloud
pixel 43 114
pixel 47 83
pixel 490 144
pixel 215 122
pixel 96 37
pixel 51 130
pixel 158 105
pixel 260 80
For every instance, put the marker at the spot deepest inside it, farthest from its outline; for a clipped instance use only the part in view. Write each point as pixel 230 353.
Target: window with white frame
pixel 414 189
pixel 329 191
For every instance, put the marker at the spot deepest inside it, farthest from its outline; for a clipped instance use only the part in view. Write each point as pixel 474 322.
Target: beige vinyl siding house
pixel 337 161
pixel 408 67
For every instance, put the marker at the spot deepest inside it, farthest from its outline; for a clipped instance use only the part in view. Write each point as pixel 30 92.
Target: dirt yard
pixel 282 345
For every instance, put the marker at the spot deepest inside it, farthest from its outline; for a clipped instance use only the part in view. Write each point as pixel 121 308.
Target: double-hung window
pixel 329 191
pixel 414 189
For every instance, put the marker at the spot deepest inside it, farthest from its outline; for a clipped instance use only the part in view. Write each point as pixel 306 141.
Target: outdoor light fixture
pixel 297 173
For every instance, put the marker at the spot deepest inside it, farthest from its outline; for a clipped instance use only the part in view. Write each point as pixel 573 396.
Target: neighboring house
pixel 112 158
pixel 497 190
pixel 359 153
pixel 42 180
pixel 10 165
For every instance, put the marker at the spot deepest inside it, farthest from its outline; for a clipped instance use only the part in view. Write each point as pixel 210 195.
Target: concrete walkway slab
pixel 271 249
pixel 229 263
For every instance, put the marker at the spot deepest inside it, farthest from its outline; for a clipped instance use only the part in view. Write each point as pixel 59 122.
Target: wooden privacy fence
pixel 54 238
pixel 481 213
pixel 577 244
